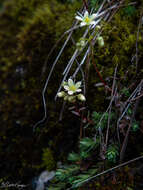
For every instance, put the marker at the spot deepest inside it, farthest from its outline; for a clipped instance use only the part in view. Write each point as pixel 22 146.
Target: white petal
pixel 93 16
pixel 70 82
pixel 78 84
pixel 79 18
pixel 78 90
pixel 66 87
pixel 70 92
pixel 82 24
pixel 80 14
pixel 92 22
pixel 86 14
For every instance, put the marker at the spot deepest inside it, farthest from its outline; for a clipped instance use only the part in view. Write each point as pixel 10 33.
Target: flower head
pixel 72 87
pixel 86 19
pixel 71 91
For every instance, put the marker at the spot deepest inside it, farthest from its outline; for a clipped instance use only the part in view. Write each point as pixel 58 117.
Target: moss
pixel 27 34
pixel 120 40
pixel 48 160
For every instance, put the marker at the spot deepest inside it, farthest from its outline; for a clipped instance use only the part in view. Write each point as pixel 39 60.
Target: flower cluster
pixel 112 153
pixel 86 19
pixel 71 91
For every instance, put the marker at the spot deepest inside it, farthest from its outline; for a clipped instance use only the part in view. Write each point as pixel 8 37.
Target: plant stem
pixel 100 77
pixel 85 4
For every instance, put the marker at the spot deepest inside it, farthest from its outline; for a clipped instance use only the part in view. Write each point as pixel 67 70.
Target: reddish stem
pixel 85 4
pixel 100 77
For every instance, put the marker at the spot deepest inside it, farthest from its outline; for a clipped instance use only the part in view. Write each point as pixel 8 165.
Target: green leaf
pixel 129 111
pixel 112 153
pixel 125 91
pixel 135 127
pixel 73 168
pixel 80 180
pixel 96 116
pixel 74 157
pixel 87 143
pixel 92 171
pixel 58 186
pixel 130 10
pixel 84 154
pixel 72 179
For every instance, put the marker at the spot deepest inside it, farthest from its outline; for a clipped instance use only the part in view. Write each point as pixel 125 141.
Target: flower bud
pixel 64 83
pixel 81 97
pixel 82 43
pixel 61 94
pixel 71 99
pixel 98 27
pixel 65 97
pixel 100 41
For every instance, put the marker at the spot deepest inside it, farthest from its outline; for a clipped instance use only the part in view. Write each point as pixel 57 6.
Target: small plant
pixel 102 123
pixel 135 126
pixel 87 144
pixel 73 174
pixel 125 91
pixel 112 153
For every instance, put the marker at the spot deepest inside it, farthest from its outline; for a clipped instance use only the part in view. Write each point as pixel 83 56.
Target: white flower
pixel 86 19
pixel 72 87
pixel 81 97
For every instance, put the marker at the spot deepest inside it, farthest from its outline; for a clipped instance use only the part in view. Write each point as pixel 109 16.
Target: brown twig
pixel 85 4
pixel 99 75
pixel 124 145
pixel 125 142
pixel 138 97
